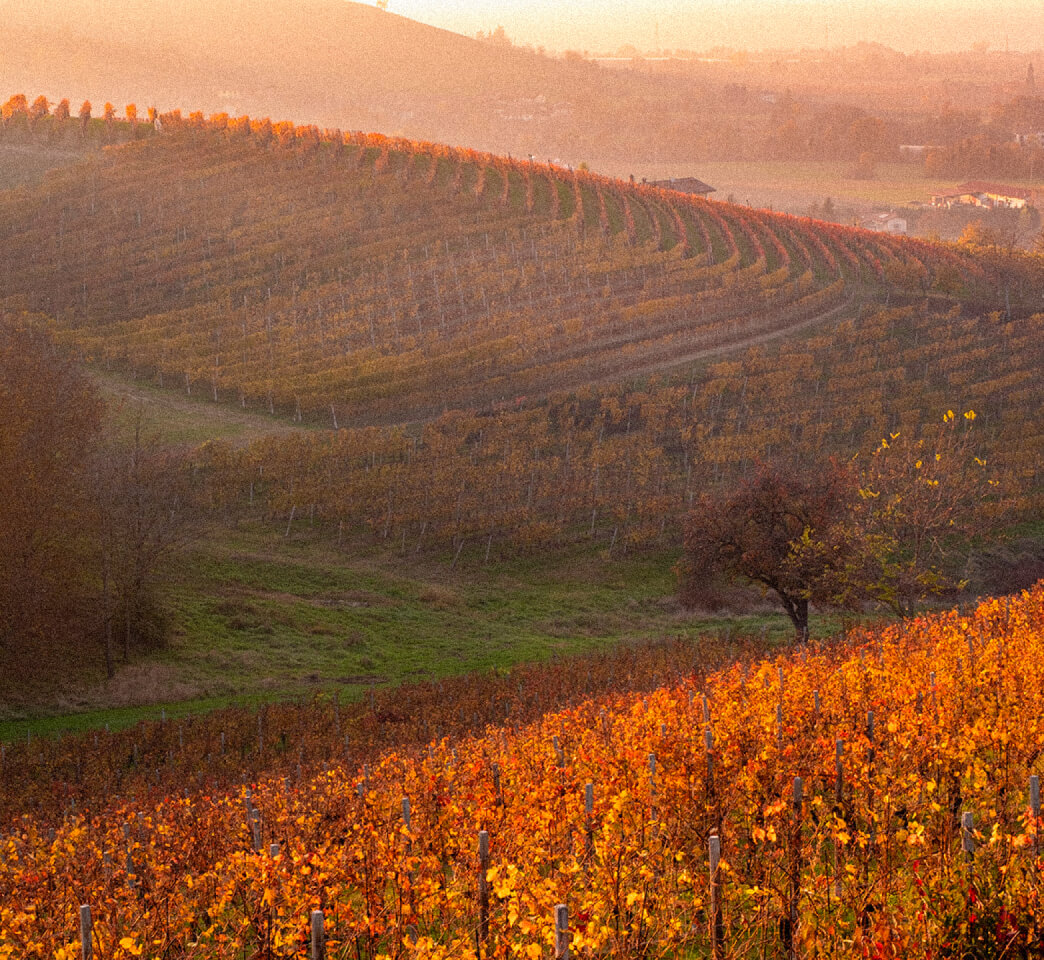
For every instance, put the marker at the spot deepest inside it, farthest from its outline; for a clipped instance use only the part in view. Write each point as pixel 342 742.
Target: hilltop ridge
pixel 340 64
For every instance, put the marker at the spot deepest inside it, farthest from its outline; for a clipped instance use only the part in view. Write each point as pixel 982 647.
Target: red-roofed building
pixel 979 193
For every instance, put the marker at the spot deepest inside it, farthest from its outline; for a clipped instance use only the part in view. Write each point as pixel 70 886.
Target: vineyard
pixel 875 796
pixel 359 280
pixel 512 354
pixel 619 467
pixel 515 357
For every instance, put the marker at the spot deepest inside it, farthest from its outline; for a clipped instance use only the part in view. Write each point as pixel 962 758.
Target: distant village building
pixel 685 185
pixel 990 196
pixel 886 223
pixel 1030 139
pixel 913 151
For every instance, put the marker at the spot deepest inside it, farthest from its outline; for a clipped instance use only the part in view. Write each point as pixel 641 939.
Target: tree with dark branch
pixel 770 530
pixel 145 512
pixel 886 530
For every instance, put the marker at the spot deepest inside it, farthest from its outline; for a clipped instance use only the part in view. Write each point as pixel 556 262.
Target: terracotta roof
pixel 998 189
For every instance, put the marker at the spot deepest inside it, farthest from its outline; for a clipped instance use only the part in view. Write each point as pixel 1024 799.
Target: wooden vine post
pixel 86 939
pixel 1034 799
pixel 839 786
pixel 653 813
pixel 483 893
pixel 717 926
pixel 589 820
pixel 408 823
pixel 968 843
pixel 318 936
pixel 1034 792
pixel 497 790
pixel 708 750
pixel 795 872
pixel 561 932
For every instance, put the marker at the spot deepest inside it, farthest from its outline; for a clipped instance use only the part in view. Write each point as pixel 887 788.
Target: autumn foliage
pixel 357 279
pixel 896 735
pixel 84 518
pixel 777 529
pixel 888 527
pixel 621 466
pixel 51 420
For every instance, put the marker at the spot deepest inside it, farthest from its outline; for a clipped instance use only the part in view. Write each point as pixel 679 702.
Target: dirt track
pixel 191 414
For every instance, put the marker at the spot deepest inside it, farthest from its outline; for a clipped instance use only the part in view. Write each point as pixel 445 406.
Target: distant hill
pixel 345 65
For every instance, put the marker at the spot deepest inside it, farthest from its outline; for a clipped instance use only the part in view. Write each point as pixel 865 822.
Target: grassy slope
pixel 256 616
pixel 24 160
pixel 179 419
pixel 25 164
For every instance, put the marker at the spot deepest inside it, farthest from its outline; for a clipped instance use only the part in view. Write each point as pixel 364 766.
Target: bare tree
pixel 51 420
pixel 146 512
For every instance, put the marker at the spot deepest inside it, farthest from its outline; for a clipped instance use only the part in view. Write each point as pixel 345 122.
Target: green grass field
pixel 256 616
pixel 179 419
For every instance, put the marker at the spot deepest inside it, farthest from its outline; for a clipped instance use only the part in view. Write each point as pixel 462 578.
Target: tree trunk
pixel 110 670
pixel 797 610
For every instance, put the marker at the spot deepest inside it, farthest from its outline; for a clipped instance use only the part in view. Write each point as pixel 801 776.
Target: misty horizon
pixel 650 25
pixel 600 28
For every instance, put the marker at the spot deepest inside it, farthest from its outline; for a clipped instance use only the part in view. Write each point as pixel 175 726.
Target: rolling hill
pixel 428 356
pixel 522 354
pixel 377 280
pixel 348 65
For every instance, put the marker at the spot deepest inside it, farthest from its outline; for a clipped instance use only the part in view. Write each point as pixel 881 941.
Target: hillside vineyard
pixel 621 466
pixel 361 280
pixel 512 354
pixel 874 794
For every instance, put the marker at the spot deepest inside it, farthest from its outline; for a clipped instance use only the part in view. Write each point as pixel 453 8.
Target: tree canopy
pixel 762 532
pixel 86 517
pixel 51 418
pixel 881 530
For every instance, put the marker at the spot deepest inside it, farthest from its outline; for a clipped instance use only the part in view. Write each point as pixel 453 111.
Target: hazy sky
pixel 754 24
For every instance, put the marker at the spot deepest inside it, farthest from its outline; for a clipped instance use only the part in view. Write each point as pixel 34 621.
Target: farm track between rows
pixel 242 425
pixel 724 349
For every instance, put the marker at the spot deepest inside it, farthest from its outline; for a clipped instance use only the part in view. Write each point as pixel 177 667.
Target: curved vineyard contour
pixel 620 466
pixel 897 769
pixel 358 279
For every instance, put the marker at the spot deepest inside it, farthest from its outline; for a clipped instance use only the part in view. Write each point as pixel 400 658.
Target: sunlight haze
pixel 472 471
pixel 748 24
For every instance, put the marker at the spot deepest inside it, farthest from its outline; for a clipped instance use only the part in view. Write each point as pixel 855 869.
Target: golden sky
pixel 754 24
